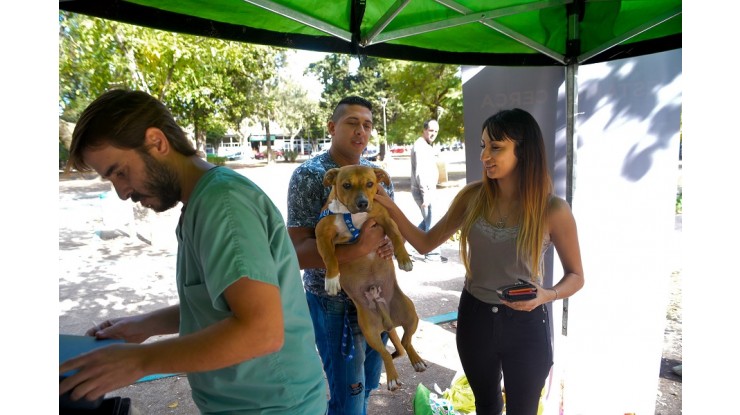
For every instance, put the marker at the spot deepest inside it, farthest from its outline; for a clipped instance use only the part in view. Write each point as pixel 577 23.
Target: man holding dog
pixel 245 340
pixel 352 367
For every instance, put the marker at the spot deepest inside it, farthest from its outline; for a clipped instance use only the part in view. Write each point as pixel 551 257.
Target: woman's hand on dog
pixel 382 197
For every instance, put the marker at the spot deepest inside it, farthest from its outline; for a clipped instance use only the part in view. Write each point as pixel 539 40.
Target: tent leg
pixel 571 94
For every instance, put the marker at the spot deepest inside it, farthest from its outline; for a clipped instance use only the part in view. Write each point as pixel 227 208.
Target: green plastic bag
pixel 428 403
pixel 421 401
pixel 460 394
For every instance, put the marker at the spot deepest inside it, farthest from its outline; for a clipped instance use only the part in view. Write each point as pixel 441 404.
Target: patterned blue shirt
pixel 306 196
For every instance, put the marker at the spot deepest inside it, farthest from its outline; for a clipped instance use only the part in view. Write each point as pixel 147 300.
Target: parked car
pixel 276 154
pixel 451 147
pixel 370 153
pixel 235 156
pixel 398 149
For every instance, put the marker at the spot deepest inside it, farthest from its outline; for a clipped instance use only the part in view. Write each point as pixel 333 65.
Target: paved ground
pixel 109 267
pixel 116 261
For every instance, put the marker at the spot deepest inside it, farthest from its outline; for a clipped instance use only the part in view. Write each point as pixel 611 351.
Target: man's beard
pixel 162 182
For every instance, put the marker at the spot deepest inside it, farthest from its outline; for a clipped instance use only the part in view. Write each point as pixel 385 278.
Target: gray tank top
pixel 493 260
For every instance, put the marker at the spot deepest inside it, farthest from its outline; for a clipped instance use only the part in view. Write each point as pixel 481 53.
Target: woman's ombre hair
pixel 535 186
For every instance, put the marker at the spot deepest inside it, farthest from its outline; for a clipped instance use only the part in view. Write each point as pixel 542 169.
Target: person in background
pixel 508 219
pixel 245 338
pixel 424 178
pixel 352 367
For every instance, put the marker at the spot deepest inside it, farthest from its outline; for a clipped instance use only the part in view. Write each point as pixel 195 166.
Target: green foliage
pixel 415 92
pixel 215 134
pixel 295 112
pixel 333 73
pixel 212 85
pixel 219 161
pixel 455 237
pixel 290 156
pixel 423 91
pixel 63 155
pixel 679 202
pixel 368 81
pixel 205 82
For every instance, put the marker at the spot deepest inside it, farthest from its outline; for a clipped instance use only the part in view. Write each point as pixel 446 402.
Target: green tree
pixel 368 81
pixel 207 83
pixel 294 111
pixel 333 73
pixel 415 92
pixel 421 91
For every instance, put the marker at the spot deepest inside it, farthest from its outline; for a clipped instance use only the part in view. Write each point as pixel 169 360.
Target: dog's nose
pixel 362 204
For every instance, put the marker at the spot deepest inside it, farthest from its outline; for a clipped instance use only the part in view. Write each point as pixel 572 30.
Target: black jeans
pixel 492 340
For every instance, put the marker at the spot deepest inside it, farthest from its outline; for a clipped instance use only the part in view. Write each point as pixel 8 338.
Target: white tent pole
pixel 571 98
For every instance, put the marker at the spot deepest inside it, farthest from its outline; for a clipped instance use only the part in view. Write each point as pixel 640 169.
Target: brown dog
pixel 369 281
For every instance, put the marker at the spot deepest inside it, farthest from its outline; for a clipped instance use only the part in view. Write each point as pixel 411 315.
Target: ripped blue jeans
pixel 350 379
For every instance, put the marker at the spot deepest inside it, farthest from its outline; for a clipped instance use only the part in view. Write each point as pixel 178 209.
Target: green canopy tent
pixel 470 32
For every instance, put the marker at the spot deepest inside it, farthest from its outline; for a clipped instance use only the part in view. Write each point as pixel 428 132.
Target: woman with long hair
pixel 507 220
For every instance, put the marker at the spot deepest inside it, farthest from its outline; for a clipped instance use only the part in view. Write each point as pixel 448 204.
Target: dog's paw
pixel 393 384
pixel 419 366
pixel 331 285
pixel 405 264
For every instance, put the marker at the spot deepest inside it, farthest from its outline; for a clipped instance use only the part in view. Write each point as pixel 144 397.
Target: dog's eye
pixel 369 184
pixel 346 185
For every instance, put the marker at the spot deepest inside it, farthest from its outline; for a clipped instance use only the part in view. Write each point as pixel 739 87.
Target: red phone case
pixel 520 291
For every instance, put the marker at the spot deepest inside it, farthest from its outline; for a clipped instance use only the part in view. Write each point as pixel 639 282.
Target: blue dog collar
pixel 347 220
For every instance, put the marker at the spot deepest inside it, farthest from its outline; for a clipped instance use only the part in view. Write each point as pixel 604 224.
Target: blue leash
pixel 348 345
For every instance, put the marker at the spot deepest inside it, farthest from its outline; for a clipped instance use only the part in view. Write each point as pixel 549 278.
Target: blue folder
pixel 72 345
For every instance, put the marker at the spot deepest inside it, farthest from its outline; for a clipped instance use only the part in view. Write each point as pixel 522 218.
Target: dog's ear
pixel 330 176
pixel 382 176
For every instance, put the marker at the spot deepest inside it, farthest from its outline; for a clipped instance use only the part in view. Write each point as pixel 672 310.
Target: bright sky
pixel 298 61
